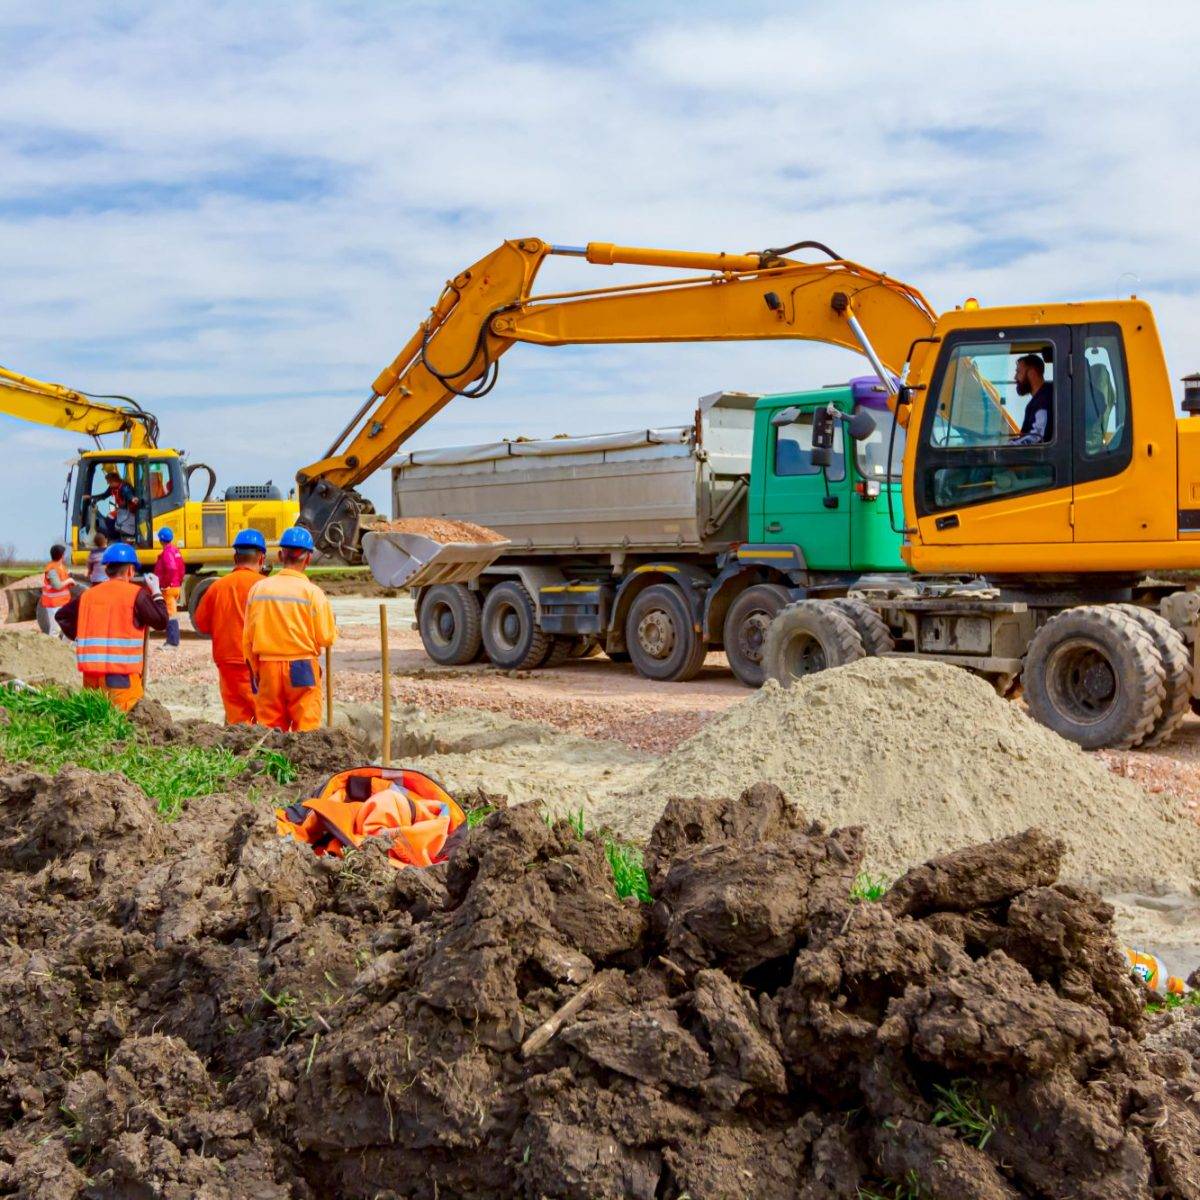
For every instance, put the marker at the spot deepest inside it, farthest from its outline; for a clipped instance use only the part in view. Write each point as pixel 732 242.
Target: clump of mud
pixel 927 757
pixel 36 658
pixel 205 1009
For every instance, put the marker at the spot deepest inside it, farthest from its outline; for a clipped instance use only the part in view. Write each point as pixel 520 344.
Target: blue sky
pixel 237 213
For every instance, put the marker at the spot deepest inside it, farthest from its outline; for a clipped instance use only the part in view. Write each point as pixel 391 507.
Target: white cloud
pixel 239 213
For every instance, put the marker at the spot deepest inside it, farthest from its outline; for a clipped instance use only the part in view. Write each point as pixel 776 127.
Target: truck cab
pixel 837 518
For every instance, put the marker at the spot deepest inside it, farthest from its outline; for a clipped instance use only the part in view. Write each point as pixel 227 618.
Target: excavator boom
pixel 491 306
pixel 53 404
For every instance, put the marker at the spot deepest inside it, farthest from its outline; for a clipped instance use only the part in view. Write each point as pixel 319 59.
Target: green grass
pixel 869 888
pixel 479 814
pixel 52 728
pixel 907 1189
pixel 624 860
pixel 1172 1001
pixel 962 1109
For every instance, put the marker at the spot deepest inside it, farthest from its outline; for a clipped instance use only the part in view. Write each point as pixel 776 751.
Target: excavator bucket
pixel 420 552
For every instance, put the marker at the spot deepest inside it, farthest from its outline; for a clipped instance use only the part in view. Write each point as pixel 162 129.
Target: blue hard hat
pixel 166 534
pixel 120 552
pixel 250 539
pixel 297 538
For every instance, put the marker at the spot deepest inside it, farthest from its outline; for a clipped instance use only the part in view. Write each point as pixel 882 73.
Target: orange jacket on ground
pixel 107 641
pixel 56 585
pixel 410 809
pixel 287 618
pixel 221 613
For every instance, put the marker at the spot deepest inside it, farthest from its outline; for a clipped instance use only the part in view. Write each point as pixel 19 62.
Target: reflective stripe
pixel 103 641
pixel 281 599
pixel 101 657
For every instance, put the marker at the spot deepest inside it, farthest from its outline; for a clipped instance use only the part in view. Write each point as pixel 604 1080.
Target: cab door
pixel 982 477
pixel 801 505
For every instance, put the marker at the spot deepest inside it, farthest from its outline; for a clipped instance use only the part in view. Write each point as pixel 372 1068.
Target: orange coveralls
pixel 222 615
pixel 288 623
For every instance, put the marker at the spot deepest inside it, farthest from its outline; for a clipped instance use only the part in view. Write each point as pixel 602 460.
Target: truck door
pixel 989 471
pixel 795 505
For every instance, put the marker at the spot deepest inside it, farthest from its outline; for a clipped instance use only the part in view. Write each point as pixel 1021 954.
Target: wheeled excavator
pixel 1030 554
pixel 160 478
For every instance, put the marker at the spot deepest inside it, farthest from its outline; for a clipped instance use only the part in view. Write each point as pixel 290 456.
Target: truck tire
pixel 746 626
pixel 876 636
pixel 196 594
pixel 807 637
pixel 662 640
pixel 511 635
pixel 559 652
pixel 449 624
pixel 1095 676
pixel 1177 672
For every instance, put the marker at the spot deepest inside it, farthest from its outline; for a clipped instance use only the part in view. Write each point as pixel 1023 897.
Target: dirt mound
pixel 210 1010
pixel 36 658
pixel 927 757
pixel 441 529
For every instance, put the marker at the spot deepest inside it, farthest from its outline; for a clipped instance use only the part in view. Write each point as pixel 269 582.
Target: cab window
pixel 160 481
pixel 980 402
pixel 1105 402
pixel 871 454
pixel 793 450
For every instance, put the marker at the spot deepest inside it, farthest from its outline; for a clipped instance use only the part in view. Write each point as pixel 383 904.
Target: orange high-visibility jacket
pixel 107 641
pixel 287 618
pixel 421 821
pixel 56 585
pixel 222 613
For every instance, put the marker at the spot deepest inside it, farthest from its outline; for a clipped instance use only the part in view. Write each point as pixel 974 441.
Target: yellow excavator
pixel 140 486
pixel 1055 523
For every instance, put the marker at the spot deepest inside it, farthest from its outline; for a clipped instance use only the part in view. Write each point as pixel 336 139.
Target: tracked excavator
pixel 160 478
pixel 1049 561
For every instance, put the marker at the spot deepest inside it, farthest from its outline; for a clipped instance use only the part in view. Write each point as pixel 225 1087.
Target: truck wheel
pixel 511 636
pixel 876 636
pixel 1177 672
pixel 196 594
pixel 560 650
pixel 745 628
pixel 663 644
pixel 807 637
pixel 450 624
pixel 1094 675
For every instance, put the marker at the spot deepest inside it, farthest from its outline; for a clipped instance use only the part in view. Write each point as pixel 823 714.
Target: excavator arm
pixel 52 404
pixel 491 306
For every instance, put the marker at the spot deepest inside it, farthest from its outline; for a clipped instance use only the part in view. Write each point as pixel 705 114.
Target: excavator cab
pixel 151 490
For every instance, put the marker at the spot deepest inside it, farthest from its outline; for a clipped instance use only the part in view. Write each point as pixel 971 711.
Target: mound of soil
pixel 205 1009
pixel 36 658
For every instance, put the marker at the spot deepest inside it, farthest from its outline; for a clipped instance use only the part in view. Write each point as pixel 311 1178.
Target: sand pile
pixel 928 757
pixel 36 658
pixel 18 600
pixel 205 1009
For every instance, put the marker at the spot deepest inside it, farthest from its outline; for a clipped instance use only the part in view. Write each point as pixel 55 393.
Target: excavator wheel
pixel 196 594
pixel 510 631
pixel 1177 670
pixel 876 636
pixel 449 622
pixel 807 637
pixel 1094 675
pixel 746 626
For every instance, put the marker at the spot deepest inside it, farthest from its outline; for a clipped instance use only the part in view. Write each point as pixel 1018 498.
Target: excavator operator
pixel 1037 426
pixel 121 524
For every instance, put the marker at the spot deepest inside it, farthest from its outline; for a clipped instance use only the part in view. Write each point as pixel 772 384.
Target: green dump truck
pixel 658 545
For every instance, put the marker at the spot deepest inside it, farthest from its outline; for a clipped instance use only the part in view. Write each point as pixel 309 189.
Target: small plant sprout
pixel 869 888
pixel 962 1109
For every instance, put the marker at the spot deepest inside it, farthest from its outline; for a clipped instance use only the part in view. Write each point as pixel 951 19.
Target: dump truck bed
pixel 650 490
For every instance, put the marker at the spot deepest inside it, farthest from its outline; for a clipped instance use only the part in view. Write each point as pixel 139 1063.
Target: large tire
pixel 559 652
pixel 450 624
pixel 196 594
pixel 876 637
pixel 1094 675
pixel 511 635
pixel 662 640
pixel 1177 672
pixel 807 637
pixel 746 626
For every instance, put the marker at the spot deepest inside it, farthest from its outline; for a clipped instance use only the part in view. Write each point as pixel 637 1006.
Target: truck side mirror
pixel 785 416
pixel 861 425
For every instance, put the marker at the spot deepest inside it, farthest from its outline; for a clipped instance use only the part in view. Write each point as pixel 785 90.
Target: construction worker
pixel 107 624
pixel 288 623
pixel 95 559
pixel 221 614
pixel 56 591
pixel 170 569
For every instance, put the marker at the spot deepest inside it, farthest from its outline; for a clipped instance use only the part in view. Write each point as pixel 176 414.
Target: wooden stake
pixel 328 685
pixel 386 758
pixel 544 1032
